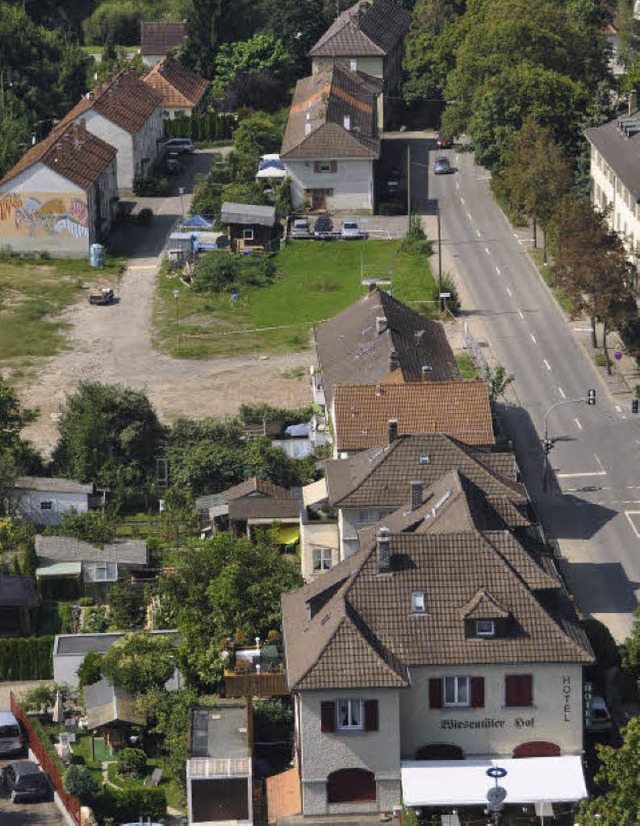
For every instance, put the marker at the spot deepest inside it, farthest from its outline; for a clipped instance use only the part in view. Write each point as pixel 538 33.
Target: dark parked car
pixel 394 182
pixel 25 782
pixel 323 229
pixel 442 166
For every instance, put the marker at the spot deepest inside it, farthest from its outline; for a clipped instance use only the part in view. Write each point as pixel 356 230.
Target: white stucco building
pixel 126 113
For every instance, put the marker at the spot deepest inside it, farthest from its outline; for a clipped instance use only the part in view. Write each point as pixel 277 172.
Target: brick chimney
pixel 392 430
pixel 416 495
pixel 383 551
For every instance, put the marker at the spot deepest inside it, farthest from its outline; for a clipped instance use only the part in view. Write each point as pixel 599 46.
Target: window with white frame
pixel 418 602
pixel 485 628
pixel 247 235
pixel 456 691
pixel 100 571
pixel 322 559
pixel 325 166
pixel 47 505
pixel 350 714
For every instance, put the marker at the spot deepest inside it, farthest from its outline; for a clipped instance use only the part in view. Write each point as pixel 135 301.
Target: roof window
pixel 418 602
pixel 425 459
pixel 485 628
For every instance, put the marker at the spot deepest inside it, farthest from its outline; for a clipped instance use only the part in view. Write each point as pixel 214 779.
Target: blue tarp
pixel 198 221
pixel 271 162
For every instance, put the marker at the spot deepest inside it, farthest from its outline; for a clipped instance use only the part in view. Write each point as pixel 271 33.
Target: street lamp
pixel 547 443
pixel 176 295
pixel 181 192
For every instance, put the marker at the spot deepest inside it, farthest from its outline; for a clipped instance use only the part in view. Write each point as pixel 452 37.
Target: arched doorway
pixel 536 748
pixel 439 751
pixel 351 786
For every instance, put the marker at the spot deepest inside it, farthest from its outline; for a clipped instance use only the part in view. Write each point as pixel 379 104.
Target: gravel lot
pixel 113 344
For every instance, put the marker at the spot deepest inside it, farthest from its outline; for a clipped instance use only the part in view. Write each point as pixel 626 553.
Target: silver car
pixel 300 228
pixel 350 230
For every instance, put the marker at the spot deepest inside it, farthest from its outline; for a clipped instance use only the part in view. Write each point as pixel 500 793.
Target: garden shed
pixel 250 226
pixel 111 711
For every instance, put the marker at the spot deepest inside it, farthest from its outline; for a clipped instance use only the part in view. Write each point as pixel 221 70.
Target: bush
pixel 26 658
pixel 448 285
pixel 127 606
pixel 131 763
pixel 150 186
pixel 130 805
pixel 65 617
pixel 218 271
pixel 79 782
pixel 85 601
pixel 95 620
pixel 209 126
pixel 90 669
pixel 415 241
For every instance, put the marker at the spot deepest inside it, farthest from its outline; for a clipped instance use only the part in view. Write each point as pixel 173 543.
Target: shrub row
pixel 26 658
pixel 209 126
pixel 130 805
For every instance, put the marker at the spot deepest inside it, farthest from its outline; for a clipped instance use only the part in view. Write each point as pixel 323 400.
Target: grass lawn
pixel 82 749
pixel 467 366
pixel 314 282
pixel 32 296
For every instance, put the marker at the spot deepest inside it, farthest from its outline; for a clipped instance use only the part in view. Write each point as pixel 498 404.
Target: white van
pixel 178 145
pixel 11 739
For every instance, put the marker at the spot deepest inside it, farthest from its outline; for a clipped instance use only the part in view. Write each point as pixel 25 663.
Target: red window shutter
pixel 477 692
pixel 518 690
pixel 371 715
pixel 334 166
pixel 435 692
pixel 327 717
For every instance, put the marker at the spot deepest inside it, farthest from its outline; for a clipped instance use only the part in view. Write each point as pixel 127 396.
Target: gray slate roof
pixel 620 151
pixel 69 549
pixel 17 592
pixel 350 350
pixel 253 498
pixel 247 214
pixel 55 485
pixel 365 30
pixel 106 703
pixel 316 124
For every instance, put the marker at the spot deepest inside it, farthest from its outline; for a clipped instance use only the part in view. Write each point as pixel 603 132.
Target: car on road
pixel 350 230
pixel 179 145
pixel 25 782
pixel 300 228
pixel 393 182
pixel 323 228
pixel 12 743
pixel 442 166
pixel 600 717
pixel 444 143
pixel 172 165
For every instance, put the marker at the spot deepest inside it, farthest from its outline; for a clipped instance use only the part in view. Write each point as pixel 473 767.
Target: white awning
pixel 465 782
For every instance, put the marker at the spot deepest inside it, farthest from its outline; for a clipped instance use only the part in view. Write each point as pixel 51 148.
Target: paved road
pixel 593 501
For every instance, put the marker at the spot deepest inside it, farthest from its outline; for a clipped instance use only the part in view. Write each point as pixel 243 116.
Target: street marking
pixel 509 291
pixel 629 515
pixel 486 249
pixel 618 408
pixel 577 421
pixel 583 329
pixel 457 184
pixel 462 200
pixel 562 393
pixel 597 458
pixel 469 216
pixel 478 233
pixel 546 364
pixel 576 475
pixel 498 270
pixel 533 338
pixel 521 314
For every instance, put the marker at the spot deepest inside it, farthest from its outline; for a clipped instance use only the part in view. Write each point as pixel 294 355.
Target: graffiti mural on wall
pixel 41 215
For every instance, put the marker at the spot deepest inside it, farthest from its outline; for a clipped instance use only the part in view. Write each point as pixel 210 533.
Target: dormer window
pixel 418 602
pixel 485 628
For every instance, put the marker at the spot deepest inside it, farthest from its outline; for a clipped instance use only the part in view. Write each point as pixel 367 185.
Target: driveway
pixel 114 344
pixel 28 814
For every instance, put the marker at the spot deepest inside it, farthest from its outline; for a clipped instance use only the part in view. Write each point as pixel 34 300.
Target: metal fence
pixel 71 804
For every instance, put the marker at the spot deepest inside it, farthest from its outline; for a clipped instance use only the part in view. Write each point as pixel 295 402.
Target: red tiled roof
pixel 159 38
pixel 361 412
pixel 72 152
pixel 178 86
pixel 123 99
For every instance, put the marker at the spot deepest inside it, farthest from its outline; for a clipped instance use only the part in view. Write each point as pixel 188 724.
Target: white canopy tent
pixel 465 782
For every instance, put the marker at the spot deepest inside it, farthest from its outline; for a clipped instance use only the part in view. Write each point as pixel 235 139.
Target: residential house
pixel 331 140
pixel 69 650
pixel 615 176
pixel 372 484
pixel 18 606
pixel 252 504
pixel 379 340
pixel 183 91
pixel 158 39
pixel 219 770
pixel 443 647
pixel 111 713
pixel 369 38
pixel 126 113
pixel 44 500
pixel 61 196
pixel 91 568
pixel 249 226
pixel 365 415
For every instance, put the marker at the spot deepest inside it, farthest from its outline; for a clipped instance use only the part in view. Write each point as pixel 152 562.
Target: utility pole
pixel 439 251
pixel 409 181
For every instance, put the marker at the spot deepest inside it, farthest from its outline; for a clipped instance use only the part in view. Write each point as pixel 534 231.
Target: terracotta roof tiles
pixel 160 38
pixel 178 86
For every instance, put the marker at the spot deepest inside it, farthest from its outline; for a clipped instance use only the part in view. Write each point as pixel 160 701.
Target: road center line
pixel 509 291
pixel 469 216
pixel 486 249
pixel 577 421
pixel 533 338
pixel 478 233
pixel 546 364
pixel 461 200
pixel 562 393
pixel 521 314
pixel 498 270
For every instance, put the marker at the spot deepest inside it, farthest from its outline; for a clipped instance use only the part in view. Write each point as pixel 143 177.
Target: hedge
pixel 130 805
pixel 26 658
pixel 209 126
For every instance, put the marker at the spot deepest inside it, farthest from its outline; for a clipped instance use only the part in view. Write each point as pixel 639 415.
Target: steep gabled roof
pixel 123 99
pixel 160 38
pixel 367 29
pixel 322 104
pixel 379 339
pixel 178 86
pixel 380 477
pixel 71 151
pixel 361 412
pixel 618 141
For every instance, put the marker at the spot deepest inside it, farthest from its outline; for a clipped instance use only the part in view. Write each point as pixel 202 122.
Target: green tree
pixel 211 23
pixel 90 526
pixel 42 697
pixel 131 763
pixel 16 455
pixel 263 53
pixel 298 23
pixel 498 380
pixel 179 519
pixel 140 662
pixel 631 648
pixel 225 583
pixel 108 434
pixel 90 669
pixel 79 782
pixel 127 606
pixel 256 135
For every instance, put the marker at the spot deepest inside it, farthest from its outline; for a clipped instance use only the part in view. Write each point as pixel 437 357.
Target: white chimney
pixel 381 324
pixel 347 122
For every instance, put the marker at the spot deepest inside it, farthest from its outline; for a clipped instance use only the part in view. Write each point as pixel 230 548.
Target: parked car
pixel 300 228
pixel 350 230
pixel 12 743
pixel 442 166
pixel 600 717
pixel 179 145
pixel 323 228
pixel 25 782
pixel 394 182
pixel 444 143
pixel 171 163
